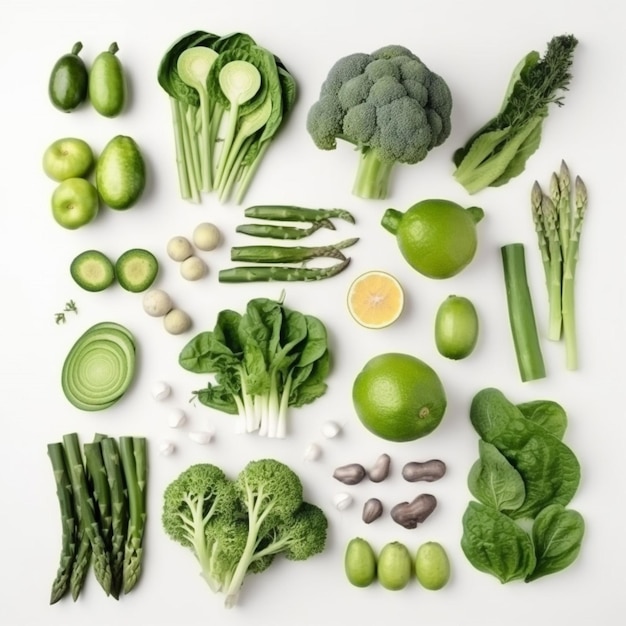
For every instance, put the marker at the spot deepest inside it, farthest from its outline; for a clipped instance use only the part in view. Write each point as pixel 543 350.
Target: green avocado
pixel 68 84
pixel 120 173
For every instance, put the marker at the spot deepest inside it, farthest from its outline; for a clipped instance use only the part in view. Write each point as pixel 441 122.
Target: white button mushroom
pixel 202 437
pixel 179 248
pixel 176 418
pixel 176 322
pixel 166 448
pixel 206 236
pixel 312 452
pixel 330 429
pixel 157 303
pixel 193 268
pixel 342 501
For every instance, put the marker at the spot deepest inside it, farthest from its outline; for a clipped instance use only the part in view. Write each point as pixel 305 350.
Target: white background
pixel 474 46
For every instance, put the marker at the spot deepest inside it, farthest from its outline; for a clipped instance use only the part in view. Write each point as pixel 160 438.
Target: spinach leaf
pixel 494 481
pixel 493 543
pixel 549 469
pixel 557 534
pixel 547 413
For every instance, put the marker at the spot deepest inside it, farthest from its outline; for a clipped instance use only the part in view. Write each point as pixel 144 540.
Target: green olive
pixel 456 327
pixel 432 566
pixel 395 566
pixel 360 562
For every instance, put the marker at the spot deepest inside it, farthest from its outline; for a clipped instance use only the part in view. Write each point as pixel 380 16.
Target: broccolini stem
pixel 261 273
pixel 569 305
pixel 61 583
pixel 551 229
pixel 286 213
pixel 119 511
pixel 521 313
pixel 133 454
pixel 288 254
pixel 272 231
pixel 87 510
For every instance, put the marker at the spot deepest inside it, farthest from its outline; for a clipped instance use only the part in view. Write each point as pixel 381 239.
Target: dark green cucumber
pixel 107 83
pixel 68 84
pixel 136 269
pixel 92 270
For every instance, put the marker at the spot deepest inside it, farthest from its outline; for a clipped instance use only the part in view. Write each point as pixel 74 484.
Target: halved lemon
pixel 375 299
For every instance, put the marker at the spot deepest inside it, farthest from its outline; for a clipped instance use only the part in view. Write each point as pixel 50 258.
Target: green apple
pixel 68 157
pixel 74 203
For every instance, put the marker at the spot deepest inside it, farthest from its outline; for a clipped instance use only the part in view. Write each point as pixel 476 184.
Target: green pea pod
pixel 107 83
pixel 67 87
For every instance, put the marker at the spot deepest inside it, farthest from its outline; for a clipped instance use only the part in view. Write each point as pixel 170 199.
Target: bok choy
pixel 229 98
pixel 263 361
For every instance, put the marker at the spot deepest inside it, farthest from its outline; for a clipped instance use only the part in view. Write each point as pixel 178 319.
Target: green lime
pixel 437 238
pixel 398 397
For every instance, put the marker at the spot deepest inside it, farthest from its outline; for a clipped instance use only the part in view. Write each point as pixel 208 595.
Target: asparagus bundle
pixel 101 491
pixel 558 217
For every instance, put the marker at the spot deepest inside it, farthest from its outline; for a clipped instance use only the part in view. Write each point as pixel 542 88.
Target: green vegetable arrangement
pixel 558 218
pixel 519 527
pixel 230 97
pixel 498 151
pixel 101 491
pixel 389 105
pixel 237 527
pixel 264 361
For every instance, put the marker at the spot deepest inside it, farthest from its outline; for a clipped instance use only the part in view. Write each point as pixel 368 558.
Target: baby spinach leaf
pixel 494 481
pixel 547 413
pixel 493 543
pixel 549 469
pixel 557 534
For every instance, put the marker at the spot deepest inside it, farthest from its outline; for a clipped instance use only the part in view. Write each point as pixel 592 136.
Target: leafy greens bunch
pixel 237 527
pixel 101 488
pixel 264 361
pixel 498 151
pixel 229 98
pixel 519 527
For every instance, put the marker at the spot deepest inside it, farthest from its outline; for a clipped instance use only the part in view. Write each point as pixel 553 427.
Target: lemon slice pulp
pixel 375 299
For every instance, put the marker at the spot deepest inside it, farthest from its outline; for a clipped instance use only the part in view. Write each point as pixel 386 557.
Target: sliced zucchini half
pixel 99 367
pixel 136 269
pixel 92 270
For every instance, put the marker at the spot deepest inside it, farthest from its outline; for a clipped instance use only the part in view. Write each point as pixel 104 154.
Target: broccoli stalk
pixel 372 176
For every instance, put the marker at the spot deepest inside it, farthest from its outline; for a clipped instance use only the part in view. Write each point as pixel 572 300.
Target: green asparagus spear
pixel 134 457
pixel 569 273
pixel 275 231
pixel 285 213
pixel 289 254
pixel 84 555
pixel 87 510
pixel 101 492
pixel 258 273
pixel 119 511
pixel 61 583
pixel 551 229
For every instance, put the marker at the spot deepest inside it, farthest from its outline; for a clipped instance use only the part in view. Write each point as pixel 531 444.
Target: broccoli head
pixel 237 527
pixel 389 105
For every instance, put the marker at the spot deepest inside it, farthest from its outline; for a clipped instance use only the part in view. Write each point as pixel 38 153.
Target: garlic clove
pixel 330 429
pixel 312 452
pixel 202 437
pixel 161 390
pixel 166 448
pixel 176 418
pixel 342 501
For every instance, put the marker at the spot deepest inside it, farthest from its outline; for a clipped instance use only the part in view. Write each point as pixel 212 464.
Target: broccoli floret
pixel 389 105
pixel 192 503
pixel 238 527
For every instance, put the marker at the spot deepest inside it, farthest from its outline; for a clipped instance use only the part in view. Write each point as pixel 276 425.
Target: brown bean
pixel 350 474
pixel 410 514
pixel 380 470
pixel 372 510
pixel 428 471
